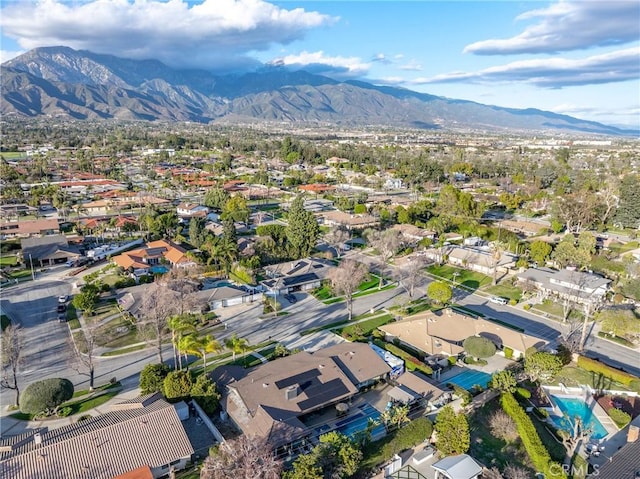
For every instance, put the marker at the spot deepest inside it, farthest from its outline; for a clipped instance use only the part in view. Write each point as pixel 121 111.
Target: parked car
pixel 291 298
pixel 498 300
pixel 62 318
pixel 63 299
pixel 62 308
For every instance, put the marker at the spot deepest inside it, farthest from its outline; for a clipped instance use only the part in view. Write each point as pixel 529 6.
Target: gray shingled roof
pixel 102 447
pixel 625 464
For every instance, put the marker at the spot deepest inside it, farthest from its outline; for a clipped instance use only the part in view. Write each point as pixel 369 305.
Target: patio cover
pixel 402 394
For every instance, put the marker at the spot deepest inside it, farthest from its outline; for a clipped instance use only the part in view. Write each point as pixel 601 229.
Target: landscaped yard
pixel 104 309
pixel 117 333
pixel 466 278
pixel 365 328
pixel 573 376
pixel 505 291
pixel 554 310
pixel 8 261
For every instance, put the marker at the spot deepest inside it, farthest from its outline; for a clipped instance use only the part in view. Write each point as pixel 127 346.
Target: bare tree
pixel 85 349
pixel 386 243
pixel 609 196
pixel 502 426
pixel 12 343
pixel 409 275
pixel 345 280
pixel 589 310
pixel 159 303
pixel 515 472
pixel 243 458
pixel 337 237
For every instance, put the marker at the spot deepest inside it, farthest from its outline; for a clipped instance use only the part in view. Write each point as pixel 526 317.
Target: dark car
pixel 62 308
pixel 291 298
pixel 62 318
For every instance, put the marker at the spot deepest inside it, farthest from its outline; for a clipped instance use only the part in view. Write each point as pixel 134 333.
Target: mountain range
pixel 63 82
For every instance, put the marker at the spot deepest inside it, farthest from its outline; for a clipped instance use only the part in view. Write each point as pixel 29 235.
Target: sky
pixel 575 57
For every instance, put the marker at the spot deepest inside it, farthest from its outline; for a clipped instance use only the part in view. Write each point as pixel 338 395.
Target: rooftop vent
pixel 265 385
pixel 37 438
pixel 292 392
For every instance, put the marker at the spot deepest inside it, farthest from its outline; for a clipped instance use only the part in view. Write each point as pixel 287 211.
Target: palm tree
pixel 236 344
pixel 180 325
pixel 207 344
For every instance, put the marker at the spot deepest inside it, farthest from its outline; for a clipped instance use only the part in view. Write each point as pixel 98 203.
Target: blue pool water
pixel 469 378
pixel 572 407
pixel 358 422
pixel 159 269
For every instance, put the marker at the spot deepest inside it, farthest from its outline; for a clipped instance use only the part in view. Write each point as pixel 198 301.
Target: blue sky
pixel 578 57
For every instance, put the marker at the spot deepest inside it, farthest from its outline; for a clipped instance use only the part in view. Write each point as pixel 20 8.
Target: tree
pixel 199 346
pixel 236 209
pixel 336 237
pixel 205 394
pixel 336 457
pixel 45 396
pixel 158 304
pixel 622 323
pixel 12 344
pixel 439 292
pixel 502 426
pixel 452 432
pixel 345 280
pixel 386 243
pixel 197 233
pixel 177 385
pixel 540 252
pixel 395 417
pixel 216 198
pixel 542 366
pixel 242 458
pixel 628 212
pixel 479 347
pixel 302 229
pixel 86 301
pixel 410 274
pixel 236 344
pixel 503 381
pixel 565 252
pixel 85 353
pixel 152 378
pixel 180 325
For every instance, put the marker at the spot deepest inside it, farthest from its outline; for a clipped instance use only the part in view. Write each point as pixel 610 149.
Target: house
pixel 146 436
pixel 413 387
pixel 444 331
pixel 412 235
pixel 461 466
pixel 349 221
pixel 271 400
pixel 300 275
pixel 191 210
pixel 48 250
pixel 317 188
pixel 7 211
pixel 481 260
pixel 48 226
pixel 394 184
pixel 576 286
pixel 228 295
pixel 154 254
pixel 623 464
pixel 525 228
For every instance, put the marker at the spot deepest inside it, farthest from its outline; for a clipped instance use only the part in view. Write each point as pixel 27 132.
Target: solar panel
pixel 322 393
pixel 298 378
pixel 303 278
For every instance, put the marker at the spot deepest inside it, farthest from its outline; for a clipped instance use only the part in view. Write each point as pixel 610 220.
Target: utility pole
pixel 33 274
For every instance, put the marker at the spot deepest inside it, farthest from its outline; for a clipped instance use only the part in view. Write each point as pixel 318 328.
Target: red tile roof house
pixel 153 254
pixel 143 434
pixel 271 400
pixel 30 227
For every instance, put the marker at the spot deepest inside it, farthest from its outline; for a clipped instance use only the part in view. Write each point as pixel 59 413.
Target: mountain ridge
pixel 61 81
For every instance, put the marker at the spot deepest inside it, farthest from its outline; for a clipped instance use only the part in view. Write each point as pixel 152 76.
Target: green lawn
pixel 466 278
pixel 365 328
pixel 322 293
pixel 84 392
pixel 573 376
pixel 130 349
pixel 23 273
pixel 84 405
pixel 505 291
pixel 554 310
pixel 13 155
pixel 117 333
pixel 620 248
pixel 8 261
pixel 103 310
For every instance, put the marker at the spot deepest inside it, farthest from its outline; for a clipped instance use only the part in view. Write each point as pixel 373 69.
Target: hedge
pixel 538 454
pixel 411 363
pixel 508 352
pixel 614 374
pixel 621 418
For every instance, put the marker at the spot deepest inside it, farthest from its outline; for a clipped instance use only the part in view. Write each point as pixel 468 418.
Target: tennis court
pixel 470 378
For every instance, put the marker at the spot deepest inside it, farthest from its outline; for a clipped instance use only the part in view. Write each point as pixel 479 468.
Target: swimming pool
pixel 572 407
pixel 469 378
pixel 358 422
pixel 159 269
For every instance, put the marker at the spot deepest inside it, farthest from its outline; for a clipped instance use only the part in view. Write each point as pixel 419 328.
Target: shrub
pixel 620 417
pixel 65 411
pixel 508 352
pixel 177 385
pixel 479 347
pixel 205 394
pixel 462 393
pixel 502 426
pixel 513 301
pixel 524 393
pixel 46 395
pixel 152 378
pixel 597 367
pixel 526 307
pixel 124 283
pixel 538 454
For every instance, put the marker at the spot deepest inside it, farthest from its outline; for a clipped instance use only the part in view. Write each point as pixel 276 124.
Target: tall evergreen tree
pixel 628 213
pixel 302 230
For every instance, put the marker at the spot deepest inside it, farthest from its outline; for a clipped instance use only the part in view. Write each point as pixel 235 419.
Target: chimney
pixel 292 392
pixel 37 438
pixel 633 433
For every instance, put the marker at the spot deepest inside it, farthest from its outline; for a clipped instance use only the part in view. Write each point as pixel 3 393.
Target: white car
pixel 498 300
pixel 63 299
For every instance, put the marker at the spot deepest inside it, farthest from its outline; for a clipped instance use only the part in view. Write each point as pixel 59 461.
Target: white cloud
pixel 380 57
pixel 318 62
pixel 6 55
pixel 617 66
pixel 412 65
pixel 178 32
pixel 569 25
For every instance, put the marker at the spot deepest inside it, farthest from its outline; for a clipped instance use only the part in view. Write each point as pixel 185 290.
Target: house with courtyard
pixel 299 275
pixel 349 221
pixel 274 400
pixel 444 331
pixel 143 435
pixel 576 286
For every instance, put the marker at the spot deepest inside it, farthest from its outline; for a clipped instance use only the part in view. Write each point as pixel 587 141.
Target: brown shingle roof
pixel 102 447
